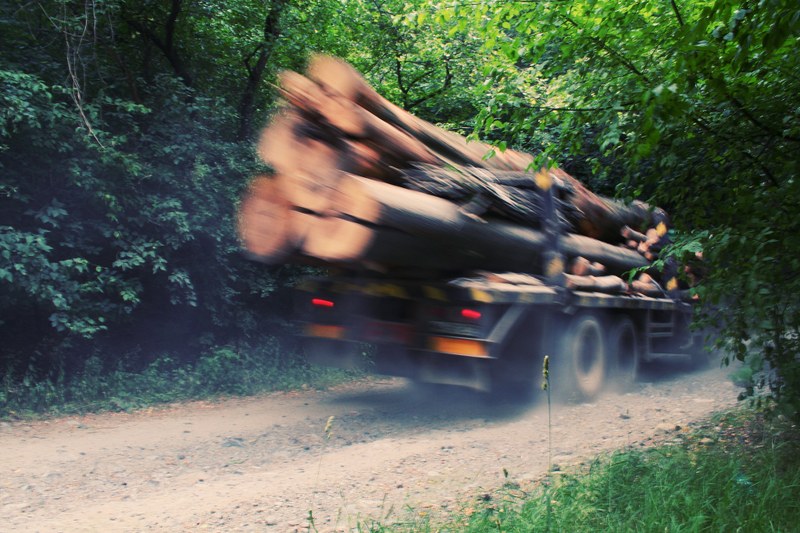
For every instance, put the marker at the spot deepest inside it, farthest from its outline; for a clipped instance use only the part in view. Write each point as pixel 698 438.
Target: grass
pixel 738 473
pixel 224 371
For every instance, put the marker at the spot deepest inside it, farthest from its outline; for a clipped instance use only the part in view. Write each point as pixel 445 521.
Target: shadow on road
pixel 669 369
pixel 426 403
pixel 422 404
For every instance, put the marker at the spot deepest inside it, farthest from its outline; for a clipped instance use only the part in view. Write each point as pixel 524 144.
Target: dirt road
pixel 261 464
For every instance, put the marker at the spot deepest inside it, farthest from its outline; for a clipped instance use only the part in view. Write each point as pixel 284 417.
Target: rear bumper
pixel 399 361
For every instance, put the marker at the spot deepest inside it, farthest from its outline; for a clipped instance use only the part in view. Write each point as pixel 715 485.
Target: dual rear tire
pixel 592 352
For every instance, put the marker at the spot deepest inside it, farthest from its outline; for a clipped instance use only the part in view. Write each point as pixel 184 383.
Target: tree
pixel 125 141
pixel 694 105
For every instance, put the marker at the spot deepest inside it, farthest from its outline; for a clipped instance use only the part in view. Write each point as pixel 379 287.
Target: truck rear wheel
pixel 623 343
pixel 580 367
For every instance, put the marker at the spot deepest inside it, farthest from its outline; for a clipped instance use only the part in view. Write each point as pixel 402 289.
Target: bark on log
pixel 383 248
pixel 363 211
pixel 367 159
pixel 511 195
pixel 338 77
pixel 602 218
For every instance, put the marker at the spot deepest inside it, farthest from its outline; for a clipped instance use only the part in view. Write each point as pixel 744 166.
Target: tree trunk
pixel 167 44
pixel 255 72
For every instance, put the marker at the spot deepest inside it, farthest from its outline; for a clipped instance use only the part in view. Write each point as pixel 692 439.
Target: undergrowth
pixel 739 473
pixel 223 371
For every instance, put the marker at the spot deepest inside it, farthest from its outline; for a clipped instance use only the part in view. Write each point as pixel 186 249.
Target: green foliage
pixel 693 105
pixel 223 371
pixel 736 475
pixel 416 62
pixel 126 131
pixel 125 143
pixel 122 169
pixel 666 489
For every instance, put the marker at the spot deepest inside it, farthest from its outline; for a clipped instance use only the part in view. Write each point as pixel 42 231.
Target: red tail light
pixel 471 314
pixel 319 302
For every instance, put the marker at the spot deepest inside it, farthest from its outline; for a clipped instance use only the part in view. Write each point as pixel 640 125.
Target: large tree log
pixel 337 114
pixel 363 211
pixel 581 266
pixel 647 286
pixel 376 138
pixel 603 218
pixel 332 113
pixel 512 195
pixel 337 77
pixel 516 196
pixel 337 124
pixel 630 234
pixel 292 144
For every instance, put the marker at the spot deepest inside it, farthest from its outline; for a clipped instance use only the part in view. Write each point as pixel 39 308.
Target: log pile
pixel 361 183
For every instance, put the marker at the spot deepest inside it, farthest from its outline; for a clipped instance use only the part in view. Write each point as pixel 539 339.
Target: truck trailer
pixel 492 331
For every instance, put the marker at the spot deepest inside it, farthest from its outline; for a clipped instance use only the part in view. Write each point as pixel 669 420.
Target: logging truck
pixel 460 263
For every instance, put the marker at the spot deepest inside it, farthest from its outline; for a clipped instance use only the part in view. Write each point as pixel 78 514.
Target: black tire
pixel 624 349
pixel 580 368
pixel 517 376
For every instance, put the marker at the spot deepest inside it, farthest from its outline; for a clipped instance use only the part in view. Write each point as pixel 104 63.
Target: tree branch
pixel 73 56
pixel 255 72
pixel 677 12
pixel 756 122
pixel 581 109
pixel 448 79
pixel 166 45
pixel 617 55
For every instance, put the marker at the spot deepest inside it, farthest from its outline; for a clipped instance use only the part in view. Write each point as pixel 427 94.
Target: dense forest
pixel 127 133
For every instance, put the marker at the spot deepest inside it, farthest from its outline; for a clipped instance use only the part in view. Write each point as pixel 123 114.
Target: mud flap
pixel 336 354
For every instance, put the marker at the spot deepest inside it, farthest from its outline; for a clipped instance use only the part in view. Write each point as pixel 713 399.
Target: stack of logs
pixel 362 184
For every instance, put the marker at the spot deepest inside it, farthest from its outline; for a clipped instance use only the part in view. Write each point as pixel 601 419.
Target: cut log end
pixel 581 266
pixel 275 147
pixel 263 223
pixel 337 240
